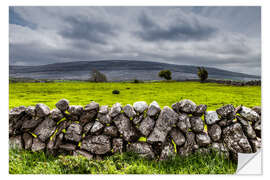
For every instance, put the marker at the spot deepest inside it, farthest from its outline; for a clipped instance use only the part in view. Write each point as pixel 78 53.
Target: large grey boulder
pixel 187 106
pixel 74 132
pixel 125 128
pixel 45 129
pixel 226 111
pixel 235 139
pixel 153 109
pixel 177 136
pixel 97 128
pixel 118 145
pixel 140 106
pixel 15 142
pixel 75 110
pixel 249 114
pixel 167 151
pixel 166 120
pixel 87 127
pixel 146 126
pixel 196 124
pixel 92 106
pixel 183 123
pixel 255 144
pixel 42 110
pixel 142 148
pixel 211 117
pixel 215 132
pixel 129 111
pixel 247 128
pixel 31 111
pixel 38 145
pixel 96 144
pixel 115 110
pixel 137 119
pixel 110 131
pixel 56 114
pixel 62 105
pixel 200 110
pixel 203 139
pixel 28 140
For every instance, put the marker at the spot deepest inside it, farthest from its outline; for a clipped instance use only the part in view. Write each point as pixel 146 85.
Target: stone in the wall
pixel 247 128
pixel 203 139
pixel 28 140
pixel 176 108
pixel 167 151
pixel 235 140
pixel 115 110
pixel 74 132
pixel 255 144
pixel 103 110
pixel 89 113
pixel 153 109
pixel 30 124
pixel 142 148
pixel 140 106
pixel 129 111
pixel 187 106
pixel 104 118
pixel 118 145
pixel 83 153
pixel 146 126
pixel 200 110
pixel 124 126
pixel 62 126
pixel 97 128
pixel 219 147
pixel 215 132
pixel 96 144
pixel 75 110
pixel 42 110
pixel 225 122
pixel 59 140
pixel 45 129
pixel 16 113
pixel 249 114
pixel 56 114
pixel 189 146
pixel 92 106
pixel 211 117
pixel 184 123
pixel 257 109
pixel 196 124
pixel 166 120
pixel 257 128
pixel 226 111
pixel 137 119
pixel 38 145
pixel 68 147
pixel 87 127
pixel 31 111
pixel 110 131
pixel 16 142
pixel 62 105
pixel 177 136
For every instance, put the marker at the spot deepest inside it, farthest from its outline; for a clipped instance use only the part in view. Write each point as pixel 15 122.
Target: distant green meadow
pixel 165 93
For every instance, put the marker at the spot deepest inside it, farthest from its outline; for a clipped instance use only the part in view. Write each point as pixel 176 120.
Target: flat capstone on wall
pixel 96 131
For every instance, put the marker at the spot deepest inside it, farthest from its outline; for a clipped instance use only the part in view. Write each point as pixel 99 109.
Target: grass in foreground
pixel 26 162
pixel 165 93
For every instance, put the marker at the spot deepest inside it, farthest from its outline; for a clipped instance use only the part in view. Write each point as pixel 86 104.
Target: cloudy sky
pixel 223 37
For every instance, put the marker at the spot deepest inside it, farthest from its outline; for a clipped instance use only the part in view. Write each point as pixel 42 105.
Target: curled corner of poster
pixel 249 164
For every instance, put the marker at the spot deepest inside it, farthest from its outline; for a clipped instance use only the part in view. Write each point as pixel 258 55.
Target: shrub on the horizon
pixel 202 74
pixel 116 92
pixel 96 76
pixel 166 74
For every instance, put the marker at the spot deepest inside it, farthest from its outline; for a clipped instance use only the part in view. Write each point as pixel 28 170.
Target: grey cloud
pixel 81 28
pixel 191 29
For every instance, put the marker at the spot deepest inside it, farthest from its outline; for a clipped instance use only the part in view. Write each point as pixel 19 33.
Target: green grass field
pixel 165 93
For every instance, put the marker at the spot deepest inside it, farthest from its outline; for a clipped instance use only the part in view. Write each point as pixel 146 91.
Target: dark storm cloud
pixel 222 37
pixel 190 29
pixel 81 28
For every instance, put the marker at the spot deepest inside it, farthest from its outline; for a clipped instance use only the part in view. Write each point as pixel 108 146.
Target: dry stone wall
pixel 96 131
